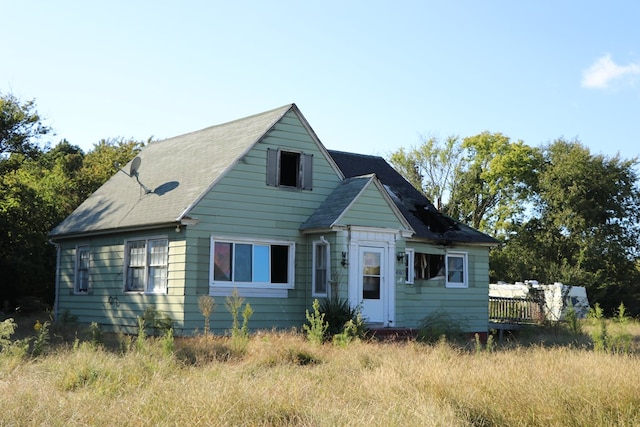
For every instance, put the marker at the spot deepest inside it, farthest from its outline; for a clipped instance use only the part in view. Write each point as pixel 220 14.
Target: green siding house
pixel 260 206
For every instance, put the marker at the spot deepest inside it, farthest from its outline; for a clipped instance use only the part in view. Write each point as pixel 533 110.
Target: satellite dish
pixel 133 172
pixel 135 165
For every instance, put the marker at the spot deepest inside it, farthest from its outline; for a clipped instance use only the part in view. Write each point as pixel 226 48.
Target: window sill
pixel 258 292
pixel 145 292
pixel 456 285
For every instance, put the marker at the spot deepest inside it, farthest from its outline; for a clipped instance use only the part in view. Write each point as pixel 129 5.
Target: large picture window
pixel 83 261
pixel 146 263
pixel 236 262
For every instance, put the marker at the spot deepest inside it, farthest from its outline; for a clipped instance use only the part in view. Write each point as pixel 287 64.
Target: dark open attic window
pixel 289 169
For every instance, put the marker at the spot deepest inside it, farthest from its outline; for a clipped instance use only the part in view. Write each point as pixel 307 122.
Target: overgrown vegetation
pixel 174 382
pixel 439 325
pixel 239 335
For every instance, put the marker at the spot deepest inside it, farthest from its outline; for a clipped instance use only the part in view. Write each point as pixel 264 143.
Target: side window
pixel 289 169
pixel 83 262
pixel 321 269
pixel 409 271
pixel 428 266
pixel 457 270
pixel 146 265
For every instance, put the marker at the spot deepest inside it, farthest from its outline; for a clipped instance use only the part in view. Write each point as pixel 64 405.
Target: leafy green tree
pixel 495 178
pixel 482 180
pixel 36 193
pixel 20 126
pixel 431 167
pixel 584 227
pixel 28 210
pixel 98 164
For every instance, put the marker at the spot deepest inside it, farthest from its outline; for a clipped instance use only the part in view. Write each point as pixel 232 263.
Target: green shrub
pixel 95 334
pixel 207 305
pixel 239 335
pixel 168 343
pixel 157 321
pixel 317 326
pixel 337 312
pixel 142 335
pixel 438 325
pixel 41 342
pixel 599 335
pixel 7 329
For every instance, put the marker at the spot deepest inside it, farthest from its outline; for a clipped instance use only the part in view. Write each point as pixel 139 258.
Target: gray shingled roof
pixel 178 170
pixel 336 203
pixel 424 218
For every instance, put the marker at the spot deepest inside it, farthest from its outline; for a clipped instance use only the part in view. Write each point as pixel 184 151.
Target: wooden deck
pixel 508 314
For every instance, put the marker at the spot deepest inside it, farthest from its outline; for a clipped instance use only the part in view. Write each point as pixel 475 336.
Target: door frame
pixel 380 238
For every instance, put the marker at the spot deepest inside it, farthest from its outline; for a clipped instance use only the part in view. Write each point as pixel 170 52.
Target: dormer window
pixel 289 169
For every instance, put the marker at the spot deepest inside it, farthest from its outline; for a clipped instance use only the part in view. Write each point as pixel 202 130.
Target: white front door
pixel 372 283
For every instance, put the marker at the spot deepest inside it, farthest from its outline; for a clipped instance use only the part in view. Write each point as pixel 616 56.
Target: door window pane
pixel 371 275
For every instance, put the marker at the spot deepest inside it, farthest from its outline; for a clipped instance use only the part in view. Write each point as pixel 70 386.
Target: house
pixel 260 206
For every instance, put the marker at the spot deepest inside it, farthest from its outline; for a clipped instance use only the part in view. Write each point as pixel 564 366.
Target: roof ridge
pixel 285 108
pixel 356 154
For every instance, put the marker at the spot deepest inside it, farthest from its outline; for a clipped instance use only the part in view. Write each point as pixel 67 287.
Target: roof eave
pixel 119 230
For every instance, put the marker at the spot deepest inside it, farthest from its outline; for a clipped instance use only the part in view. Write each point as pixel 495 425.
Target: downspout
pixel 57 279
pixel 329 279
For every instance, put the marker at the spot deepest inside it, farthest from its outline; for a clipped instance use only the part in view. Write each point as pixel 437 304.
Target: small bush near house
pixel 433 327
pixel 342 319
pixel 317 326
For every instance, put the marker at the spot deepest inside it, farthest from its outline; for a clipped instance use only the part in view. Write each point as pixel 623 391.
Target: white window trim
pixel 410 273
pixel 76 281
pixel 327 248
pixel 465 270
pixel 224 285
pixel 146 267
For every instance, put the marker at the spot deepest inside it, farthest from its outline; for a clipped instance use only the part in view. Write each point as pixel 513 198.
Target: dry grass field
pixel 547 378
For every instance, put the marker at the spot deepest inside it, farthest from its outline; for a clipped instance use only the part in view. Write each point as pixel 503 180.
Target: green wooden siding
pixel 371 210
pixel 468 305
pixel 242 205
pixel 106 302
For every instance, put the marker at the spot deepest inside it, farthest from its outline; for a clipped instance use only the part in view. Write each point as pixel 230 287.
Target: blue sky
pixel 369 76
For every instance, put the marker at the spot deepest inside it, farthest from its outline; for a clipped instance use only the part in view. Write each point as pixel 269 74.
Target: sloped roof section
pixel 427 222
pixel 178 171
pixel 336 203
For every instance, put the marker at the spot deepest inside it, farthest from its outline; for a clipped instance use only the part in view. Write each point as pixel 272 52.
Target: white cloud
pixel 604 71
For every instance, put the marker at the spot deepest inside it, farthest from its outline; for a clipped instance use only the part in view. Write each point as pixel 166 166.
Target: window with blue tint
pixel 245 263
pixel 261 263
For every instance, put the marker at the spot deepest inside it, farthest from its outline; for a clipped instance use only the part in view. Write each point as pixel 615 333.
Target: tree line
pixel 39 186
pixel 560 212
